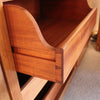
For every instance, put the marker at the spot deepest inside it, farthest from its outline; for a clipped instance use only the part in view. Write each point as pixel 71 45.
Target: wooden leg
pixel 7 59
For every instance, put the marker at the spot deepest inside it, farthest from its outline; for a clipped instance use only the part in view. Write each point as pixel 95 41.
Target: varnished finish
pixel 63 89
pixel 25 34
pixel 49 48
pixel 56 91
pixel 33 6
pixel 31 89
pixel 9 70
pixel 55 30
pixel 70 9
pixel 35 67
pixel 7 59
pixel 52 52
pixel 79 36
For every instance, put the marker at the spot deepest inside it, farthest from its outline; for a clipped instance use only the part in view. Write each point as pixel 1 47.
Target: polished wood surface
pixel 8 65
pixel 69 9
pixel 35 67
pixel 25 34
pixel 31 5
pixel 44 44
pixel 45 48
pixel 54 30
pixel 65 86
pixel 57 91
pixel 31 89
pixel 79 36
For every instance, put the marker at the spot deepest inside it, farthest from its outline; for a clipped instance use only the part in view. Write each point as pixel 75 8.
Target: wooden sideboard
pixel 40 50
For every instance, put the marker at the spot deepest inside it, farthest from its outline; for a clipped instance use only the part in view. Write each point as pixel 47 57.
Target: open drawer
pixel 48 41
pixel 39 89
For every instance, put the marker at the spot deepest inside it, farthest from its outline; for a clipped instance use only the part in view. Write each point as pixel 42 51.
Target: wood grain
pixel 7 59
pixel 49 48
pixel 69 9
pixel 82 34
pixel 25 34
pixel 31 89
pixel 63 89
pixel 55 92
pixel 35 67
pixel 52 52
pixel 49 27
pixel 33 6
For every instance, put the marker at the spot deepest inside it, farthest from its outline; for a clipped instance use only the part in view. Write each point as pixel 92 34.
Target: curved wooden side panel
pixel 7 60
pixel 33 6
pixel 71 9
pixel 25 34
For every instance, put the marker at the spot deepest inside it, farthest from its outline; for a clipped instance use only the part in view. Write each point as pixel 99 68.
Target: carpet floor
pixel 85 84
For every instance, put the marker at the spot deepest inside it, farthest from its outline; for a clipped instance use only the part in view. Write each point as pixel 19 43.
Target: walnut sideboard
pixel 41 45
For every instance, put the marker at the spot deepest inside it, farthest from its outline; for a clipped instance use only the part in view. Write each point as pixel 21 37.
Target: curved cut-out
pixel 24 32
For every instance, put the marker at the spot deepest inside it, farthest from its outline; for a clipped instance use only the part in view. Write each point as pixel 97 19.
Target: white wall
pixel 92 4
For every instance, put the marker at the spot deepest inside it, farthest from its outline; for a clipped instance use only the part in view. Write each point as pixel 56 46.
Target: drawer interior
pixel 54 8
pixel 54 14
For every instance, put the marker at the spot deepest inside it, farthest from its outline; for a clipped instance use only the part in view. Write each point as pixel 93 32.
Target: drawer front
pixel 34 56
pixel 35 66
pixel 66 55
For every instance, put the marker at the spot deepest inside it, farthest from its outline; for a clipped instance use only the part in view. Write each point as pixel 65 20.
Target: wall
pixel 92 4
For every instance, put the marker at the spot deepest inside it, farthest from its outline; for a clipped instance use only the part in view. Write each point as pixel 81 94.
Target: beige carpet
pixel 85 85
